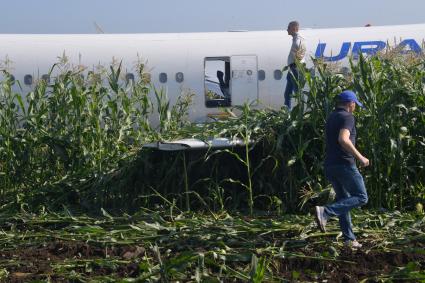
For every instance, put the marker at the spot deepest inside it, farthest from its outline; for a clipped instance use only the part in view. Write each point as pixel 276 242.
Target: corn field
pixel 74 147
pixel 79 141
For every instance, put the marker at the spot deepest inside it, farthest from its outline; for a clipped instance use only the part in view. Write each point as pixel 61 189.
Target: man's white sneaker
pixel 321 218
pixel 352 244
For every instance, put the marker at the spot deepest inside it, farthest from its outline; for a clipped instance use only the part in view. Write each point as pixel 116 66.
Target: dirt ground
pixel 37 263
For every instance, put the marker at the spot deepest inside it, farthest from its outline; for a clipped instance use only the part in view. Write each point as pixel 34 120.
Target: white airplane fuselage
pixel 254 58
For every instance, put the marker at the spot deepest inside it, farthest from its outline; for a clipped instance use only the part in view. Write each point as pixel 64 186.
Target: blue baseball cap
pixel 348 96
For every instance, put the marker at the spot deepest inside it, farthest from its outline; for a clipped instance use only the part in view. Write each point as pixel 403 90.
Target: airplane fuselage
pixel 251 62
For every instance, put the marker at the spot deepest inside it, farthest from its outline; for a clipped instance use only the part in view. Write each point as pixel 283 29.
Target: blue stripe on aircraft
pixel 365 47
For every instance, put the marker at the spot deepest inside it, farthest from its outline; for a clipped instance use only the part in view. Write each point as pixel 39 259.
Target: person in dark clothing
pixel 224 85
pixel 340 167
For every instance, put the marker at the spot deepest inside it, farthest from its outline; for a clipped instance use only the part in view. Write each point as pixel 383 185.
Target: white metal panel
pixel 244 82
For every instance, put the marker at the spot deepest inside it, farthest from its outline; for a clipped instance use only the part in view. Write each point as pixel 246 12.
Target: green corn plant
pixel 75 133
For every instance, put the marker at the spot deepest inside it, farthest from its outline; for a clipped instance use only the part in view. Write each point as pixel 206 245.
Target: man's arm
pixel 301 51
pixel 345 142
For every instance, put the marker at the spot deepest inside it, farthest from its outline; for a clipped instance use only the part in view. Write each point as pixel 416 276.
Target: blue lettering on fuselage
pixel 412 44
pixel 365 47
pixel 342 54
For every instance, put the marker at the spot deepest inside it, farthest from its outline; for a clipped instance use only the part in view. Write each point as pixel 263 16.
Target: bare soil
pixel 37 263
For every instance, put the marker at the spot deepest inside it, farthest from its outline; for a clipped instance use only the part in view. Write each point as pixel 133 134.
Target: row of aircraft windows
pixel 277 74
pixel 163 77
pixel 28 79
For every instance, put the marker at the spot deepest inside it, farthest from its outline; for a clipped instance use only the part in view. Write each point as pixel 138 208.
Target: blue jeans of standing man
pixel 291 84
pixel 350 193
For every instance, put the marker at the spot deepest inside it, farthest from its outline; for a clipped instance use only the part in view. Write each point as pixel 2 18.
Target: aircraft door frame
pixel 244 79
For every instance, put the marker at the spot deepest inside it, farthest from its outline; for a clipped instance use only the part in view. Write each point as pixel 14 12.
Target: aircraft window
pixel 261 75
pixel 163 77
pixel 277 74
pixel 217 82
pixel 46 78
pixel 28 79
pixel 146 78
pixel 129 77
pixel 12 79
pixel 179 77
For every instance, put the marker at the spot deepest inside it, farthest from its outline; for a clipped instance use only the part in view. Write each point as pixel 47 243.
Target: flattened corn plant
pixel 155 246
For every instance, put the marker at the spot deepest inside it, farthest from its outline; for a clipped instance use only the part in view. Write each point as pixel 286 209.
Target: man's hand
pixel 364 162
pixel 285 69
pixel 345 142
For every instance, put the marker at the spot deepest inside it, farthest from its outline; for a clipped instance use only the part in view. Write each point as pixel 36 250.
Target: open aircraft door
pixel 244 79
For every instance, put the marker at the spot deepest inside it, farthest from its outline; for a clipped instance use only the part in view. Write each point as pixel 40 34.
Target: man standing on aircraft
pixel 340 167
pixel 296 55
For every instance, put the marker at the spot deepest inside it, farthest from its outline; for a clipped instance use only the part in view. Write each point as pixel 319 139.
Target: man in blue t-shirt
pixel 340 167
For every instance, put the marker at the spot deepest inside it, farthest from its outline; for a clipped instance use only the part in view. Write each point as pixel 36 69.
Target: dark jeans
pixel 291 84
pixel 350 193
